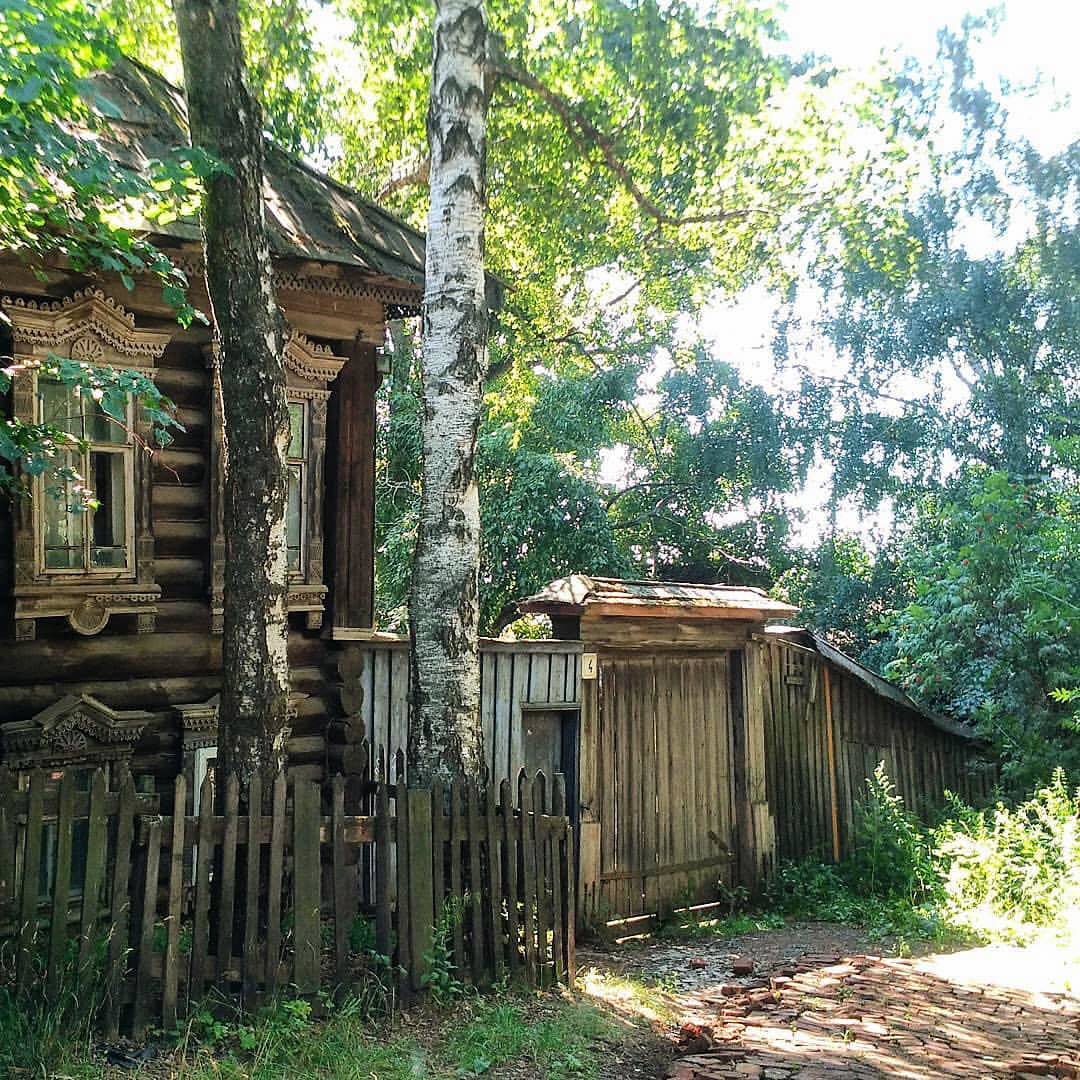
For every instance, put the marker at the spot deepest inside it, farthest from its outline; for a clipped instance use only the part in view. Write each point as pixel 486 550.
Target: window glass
pixel 294 518
pixel 108 542
pixel 64 521
pixel 60 407
pixel 297 432
pixel 102 428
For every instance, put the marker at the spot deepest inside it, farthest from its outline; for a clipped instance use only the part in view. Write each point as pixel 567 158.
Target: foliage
pixel 439 977
pixel 1002 872
pixel 1012 868
pixel 993 628
pixel 51 1034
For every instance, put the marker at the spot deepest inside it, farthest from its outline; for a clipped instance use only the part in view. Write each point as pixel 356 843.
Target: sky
pixel 1036 37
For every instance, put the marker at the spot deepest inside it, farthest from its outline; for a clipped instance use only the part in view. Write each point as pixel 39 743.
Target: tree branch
pixel 585 133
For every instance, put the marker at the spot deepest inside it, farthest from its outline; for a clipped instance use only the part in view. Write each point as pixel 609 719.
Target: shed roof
pixel 578 593
pixel 882 687
pixel 310 215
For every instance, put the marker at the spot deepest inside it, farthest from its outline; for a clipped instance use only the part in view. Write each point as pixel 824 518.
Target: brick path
pixel 822 1018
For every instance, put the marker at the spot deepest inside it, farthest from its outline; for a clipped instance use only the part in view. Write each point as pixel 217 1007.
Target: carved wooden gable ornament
pixel 78 728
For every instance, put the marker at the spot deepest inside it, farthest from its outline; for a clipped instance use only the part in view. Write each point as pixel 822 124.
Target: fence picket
pixel 554 844
pixel 97 850
pixel 401 857
pixel 273 899
pixel 422 914
pixel 473 832
pixel 527 845
pixel 495 890
pixel 119 932
pixel 61 893
pixel 171 979
pixel 510 877
pixel 342 900
pixel 307 942
pixel 227 888
pixel 252 866
pixel 7 845
pixel 457 836
pixel 204 855
pixel 382 861
pixel 146 929
pixel 539 853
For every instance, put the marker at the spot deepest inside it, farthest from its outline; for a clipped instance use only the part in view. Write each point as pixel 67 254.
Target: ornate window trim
pixel 309 370
pixel 91 327
pixel 76 729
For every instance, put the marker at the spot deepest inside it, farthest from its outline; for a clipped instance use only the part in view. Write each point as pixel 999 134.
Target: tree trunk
pixel 226 121
pixel 445 737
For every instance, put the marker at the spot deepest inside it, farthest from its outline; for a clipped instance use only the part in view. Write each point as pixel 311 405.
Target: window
pixel 296 511
pixel 74 537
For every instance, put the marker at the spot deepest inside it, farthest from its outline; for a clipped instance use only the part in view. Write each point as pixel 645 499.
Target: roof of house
pixel 310 215
pixel 579 592
pixel 882 687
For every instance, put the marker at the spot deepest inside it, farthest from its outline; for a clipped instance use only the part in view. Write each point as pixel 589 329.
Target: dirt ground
pixel 823 1001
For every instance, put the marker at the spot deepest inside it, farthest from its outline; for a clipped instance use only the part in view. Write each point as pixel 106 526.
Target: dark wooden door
pixel 549 742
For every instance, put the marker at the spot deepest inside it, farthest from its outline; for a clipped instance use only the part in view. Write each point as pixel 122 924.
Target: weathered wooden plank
pixel 539 856
pixel 227 891
pixel 204 854
pixel 403 838
pixel 527 846
pixel 510 876
pixel 121 903
pixel 171 976
pixel 457 837
pixel 342 898
pixel 7 845
pixel 518 691
pixel 495 885
pixel 61 893
pixel 422 913
pixel 307 872
pixel 504 713
pixel 273 887
pixel 382 862
pixel 558 919
pixel 144 962
pixel 97 841
pixel 253 868
pixel 474 832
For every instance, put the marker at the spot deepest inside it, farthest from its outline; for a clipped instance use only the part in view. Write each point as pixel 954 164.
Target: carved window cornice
pixel 310 368
pixel 78 727
pixel 93 328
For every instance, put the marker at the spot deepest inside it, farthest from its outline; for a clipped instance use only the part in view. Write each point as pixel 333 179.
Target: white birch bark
pixel 445 736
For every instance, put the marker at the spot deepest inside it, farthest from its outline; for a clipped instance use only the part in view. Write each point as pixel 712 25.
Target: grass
pixel 553 1037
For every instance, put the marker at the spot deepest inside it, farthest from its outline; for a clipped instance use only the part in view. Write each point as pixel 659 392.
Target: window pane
pixel 294 517
pixel 65 523
pixel 102 428
pixel 108 538
pixel 297 434
pixel 60 407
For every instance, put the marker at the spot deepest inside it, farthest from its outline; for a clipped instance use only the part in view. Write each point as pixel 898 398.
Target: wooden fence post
pixel 306 873
pixel 421 895
pixel 120 932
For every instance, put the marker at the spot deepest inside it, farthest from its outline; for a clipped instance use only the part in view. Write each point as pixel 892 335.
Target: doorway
pixel 549 742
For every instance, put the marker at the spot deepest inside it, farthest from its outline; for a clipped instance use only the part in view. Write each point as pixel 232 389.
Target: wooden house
pixel 112 618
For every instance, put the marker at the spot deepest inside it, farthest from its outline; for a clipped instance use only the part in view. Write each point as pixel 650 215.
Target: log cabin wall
pixel 165 671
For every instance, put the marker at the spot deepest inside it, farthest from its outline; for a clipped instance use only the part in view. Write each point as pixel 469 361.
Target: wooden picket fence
pixel 264 891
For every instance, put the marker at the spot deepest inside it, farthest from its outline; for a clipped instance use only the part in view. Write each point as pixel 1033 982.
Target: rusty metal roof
pixel 310 215
pixel 576 593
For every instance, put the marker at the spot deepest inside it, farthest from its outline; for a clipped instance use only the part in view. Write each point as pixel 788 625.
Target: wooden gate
pixel 665 780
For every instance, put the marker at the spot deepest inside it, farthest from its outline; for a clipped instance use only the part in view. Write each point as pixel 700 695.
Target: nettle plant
pixel 31 449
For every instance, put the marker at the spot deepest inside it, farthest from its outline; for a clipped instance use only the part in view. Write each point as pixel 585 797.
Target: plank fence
pixel 300 886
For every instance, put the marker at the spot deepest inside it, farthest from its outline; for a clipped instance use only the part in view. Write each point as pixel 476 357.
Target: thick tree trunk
pixel 226 121
pixel 445 737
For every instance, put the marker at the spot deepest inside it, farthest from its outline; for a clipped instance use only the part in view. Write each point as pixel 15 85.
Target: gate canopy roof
pixel 579 593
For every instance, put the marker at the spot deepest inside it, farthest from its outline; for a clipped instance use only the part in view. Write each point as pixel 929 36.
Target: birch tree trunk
pixel 445 737
pixel 226 121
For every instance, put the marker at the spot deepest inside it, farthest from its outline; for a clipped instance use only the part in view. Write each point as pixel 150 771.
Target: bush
pixel 1000 872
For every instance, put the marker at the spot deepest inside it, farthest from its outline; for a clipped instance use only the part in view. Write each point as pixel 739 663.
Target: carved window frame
pixel 94 328
pixel 309 370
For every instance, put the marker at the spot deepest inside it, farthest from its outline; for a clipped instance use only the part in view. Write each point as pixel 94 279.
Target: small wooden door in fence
pixel 263 889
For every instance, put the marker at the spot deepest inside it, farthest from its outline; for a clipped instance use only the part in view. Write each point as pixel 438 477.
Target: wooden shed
pixel 671 779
